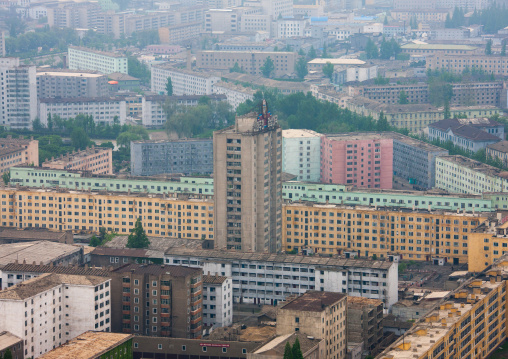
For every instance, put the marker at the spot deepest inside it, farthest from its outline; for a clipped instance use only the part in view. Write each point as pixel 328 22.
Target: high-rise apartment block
pixel 248 184
pixel 301 152
pixel 158 301
pixel 320 315
pixel 363 160
pixel 18 104
pixel 82 58
pixel 71 84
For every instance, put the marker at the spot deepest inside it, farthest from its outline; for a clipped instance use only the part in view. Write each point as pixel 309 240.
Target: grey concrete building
pixel 69 83
pixel 365 323
pixel 248 184
pixel 415 161
pixel 186 156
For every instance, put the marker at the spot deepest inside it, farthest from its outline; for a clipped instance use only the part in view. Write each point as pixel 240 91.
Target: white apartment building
pixel 301 154
pixel 53 308
pixel 291 28
pixel 274 8
pixel 458 174
pixel 81 58
pixel 184 82
pixel 256 22
pixel 225 20
pixel 264 278
pixel 235 94
pixel 18 104
pixel 217 301
pixel 102 109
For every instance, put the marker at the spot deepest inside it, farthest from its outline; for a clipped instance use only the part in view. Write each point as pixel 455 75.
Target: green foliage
pixel 169 87
pixel 493 18
pixel 297 351
pixel 301 68
pixel 197 120
pixel 236 68
pixel 134 133
pixel 371 50
pixel 268 67
pixel 389 49
pixel 311 55
pixel 458 19
pixel 288 353
pixel 380 80
pixel 94 241
pixel 7 354
pixel 6 177
pixel 139 70
pixel 402 267
pixel 138 237
pixel 403 100
pixel 328 69
pixel 79 138
pixel 382 123
pixel 503 48
pixel 108 144
pixel 374 257
pixel 103 238
pixel 488 47
pixel 413 23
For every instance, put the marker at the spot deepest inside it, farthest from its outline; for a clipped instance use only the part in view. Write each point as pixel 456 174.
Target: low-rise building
pixel 459 174
pixel 186 156
pixel 95 160
pixel 104 257
pixel 124 82
pixel 319 315
pixel 279 276
pixel 469 134
pixel 312 348
pixel 11 343
pixel 217 301
pixel 235 94
pixel 301 154
pixel 185 82
pixel 13 235
pixel 105 110
pixel 65 305
pixel 432 49
pixel 82 58
pixel 69 83
pixel 498 151
pixel 181 33
pixel 92 345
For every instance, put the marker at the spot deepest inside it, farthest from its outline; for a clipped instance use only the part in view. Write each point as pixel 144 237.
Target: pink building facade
pixel 362 160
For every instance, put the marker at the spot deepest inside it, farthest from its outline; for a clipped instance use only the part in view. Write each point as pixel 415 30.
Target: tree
pixel 403 98
pixel 267 67
pixel 488 48
pixel 236 68
pixel 328 69
pixel 301 52
pixel 138 69
pixel 37 125
pixel 446 110
pixel 312 53
pixel 6 177
pixel 169 87
pixel 297 351
pixel 94 241
pixel 382 123
pixel 8 354
pixel 288 353
pixel 371 50
pixel 385 22
pixel 301 68
pixel 503 48
pixel 138 237
pixel 79 139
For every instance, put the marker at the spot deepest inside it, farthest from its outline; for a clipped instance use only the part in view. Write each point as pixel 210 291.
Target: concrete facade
pixel 184 82
pixel 247 161
pixel 188 157
pixel 18 152
pixel 94 160
pixel 235 94
pixel 217 301
pixel 363 160
pixel 301 154
pixel 365 323
pixel 66 84
pixel 81 58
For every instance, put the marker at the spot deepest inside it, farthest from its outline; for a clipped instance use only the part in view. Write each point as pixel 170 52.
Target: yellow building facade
pixel 469 324
pixel 489 242
pixel 367 231
pixel 87 212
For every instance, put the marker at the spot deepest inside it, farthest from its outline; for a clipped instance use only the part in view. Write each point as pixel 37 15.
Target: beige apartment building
pixel 248 184
pixel 498 65
pixel 18 151
pixel 321 315
pixel 94 160
pixel 250 61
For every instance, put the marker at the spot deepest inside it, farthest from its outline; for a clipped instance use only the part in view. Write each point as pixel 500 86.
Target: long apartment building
pixel 158 300
pixel 71 84
pixel 263 278
pixel 104 110
pixel 250 61
pixel 51 309
pixel 184 82
pixel 489 242
pixel 380 232
pixel 94 160
pixel 82 58
pixel 468 323
pixel 455 63
pixel 460 174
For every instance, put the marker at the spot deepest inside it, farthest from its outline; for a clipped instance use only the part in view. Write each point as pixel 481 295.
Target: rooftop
pixel 117 76
pixel 360 302
pixel 82 99
pixel 438 47
pixel 69 73
pixel 501 146
pixel 42 252
pixel 314 301
pixel 276 346
pixel 156 269
pixel 126 252
pixel 76 156
pixel 89 345
pixel 103 53
pixel 467 129
pixel 337 62
pixel 31 234
pixel 71 270
pixel 8 339
pixel 357 136
pixel 174 141
pixel 157 244
pixel 475 165
pixel 214 279
pixel 170 67
pixel 299 133
pixel 46 281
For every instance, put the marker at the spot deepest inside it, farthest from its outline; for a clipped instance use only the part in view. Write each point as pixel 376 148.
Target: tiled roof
pixel 35 268
pixel 155 269
pixel 501 146
pixel 43 252
pixel 213 279
pixel 314 301
pixel 459 129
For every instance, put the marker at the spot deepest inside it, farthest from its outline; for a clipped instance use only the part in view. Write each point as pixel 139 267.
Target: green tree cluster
pixel 236 68
pixel 138 237
pixel 301 68
pixel 293 351
pixel 139 70
pixel 389 49
pixel 169 87
pixel 268 67
pixel 328 69
pixel 102 238
pixel 371 49
pixel 493 18
pixel 456 20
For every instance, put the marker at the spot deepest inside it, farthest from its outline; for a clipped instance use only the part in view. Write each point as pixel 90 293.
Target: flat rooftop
pixel 103 53
pixel 39 252
pixel 300 133
pixel 46 281
pixel 8 339
pixel 337 62
pixel 475 166
pixel 438 47
pixel 157 269
pixel 69 74
pixel 314 301
pixel 89 345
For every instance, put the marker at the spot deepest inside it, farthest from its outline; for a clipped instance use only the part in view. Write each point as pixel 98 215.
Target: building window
pixel 159 346
pixel 204 349
pixel 184 348
pixel 224 350
pixel 135 345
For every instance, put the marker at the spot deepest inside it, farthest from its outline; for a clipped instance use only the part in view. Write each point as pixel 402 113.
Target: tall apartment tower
pixel 248 184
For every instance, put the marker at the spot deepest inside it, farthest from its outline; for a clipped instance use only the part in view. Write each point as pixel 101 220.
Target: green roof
pixel 437 47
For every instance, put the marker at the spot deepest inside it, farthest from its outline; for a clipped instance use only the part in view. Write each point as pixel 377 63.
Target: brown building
pixel 247 161
pixel 18 151
pixel 116 257
pixel 498 151
pixel 365 323
pixel 157 300
pixel 12 343
pixel 312 348
pixel 94 160
pixel 13 235
pixel 321 315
